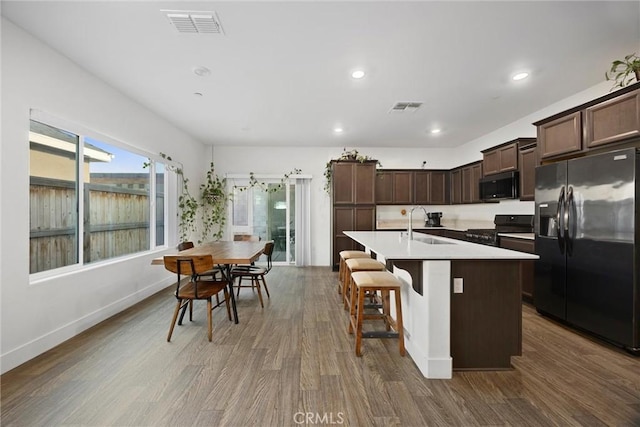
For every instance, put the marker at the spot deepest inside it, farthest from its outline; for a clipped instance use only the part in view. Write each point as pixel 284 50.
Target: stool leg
pixel 360 315
pixel 340 274
pixel 346 285
pixel 399 325
pixel 386 309
pixel 352 308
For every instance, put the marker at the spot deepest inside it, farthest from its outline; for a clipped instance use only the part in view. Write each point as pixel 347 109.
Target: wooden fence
pixel 116 222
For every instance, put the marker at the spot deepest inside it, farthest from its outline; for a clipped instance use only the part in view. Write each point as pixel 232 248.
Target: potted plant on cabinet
pixel 623 71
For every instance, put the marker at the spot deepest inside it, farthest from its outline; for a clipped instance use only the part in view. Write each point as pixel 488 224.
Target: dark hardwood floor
pixel 293 363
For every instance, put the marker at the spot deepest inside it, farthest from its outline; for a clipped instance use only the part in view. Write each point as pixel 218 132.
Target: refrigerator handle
pixel 570 220
pixel 560 217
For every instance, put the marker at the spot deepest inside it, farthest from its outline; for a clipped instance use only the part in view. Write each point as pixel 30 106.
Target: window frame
pixel 170 178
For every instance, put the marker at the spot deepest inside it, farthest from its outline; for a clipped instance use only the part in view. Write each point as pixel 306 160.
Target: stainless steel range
pixel 503 224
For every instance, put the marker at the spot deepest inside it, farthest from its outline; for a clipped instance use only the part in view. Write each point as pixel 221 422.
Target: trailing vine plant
pixel 346 155
pixel 211 206
pixel 253 182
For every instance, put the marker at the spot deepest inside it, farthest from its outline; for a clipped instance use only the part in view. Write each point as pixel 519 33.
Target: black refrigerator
pixel 586 234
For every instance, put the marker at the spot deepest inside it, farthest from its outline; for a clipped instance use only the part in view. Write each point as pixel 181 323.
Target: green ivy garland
pixel 212 202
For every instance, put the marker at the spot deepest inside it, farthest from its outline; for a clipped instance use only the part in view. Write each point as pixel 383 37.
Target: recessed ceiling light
pixel 357 74
pixel 201 71
pixel 435 131
pixel 338 130
pixel 520 76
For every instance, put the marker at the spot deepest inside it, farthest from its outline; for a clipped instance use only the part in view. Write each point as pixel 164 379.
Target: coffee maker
pixel 433 219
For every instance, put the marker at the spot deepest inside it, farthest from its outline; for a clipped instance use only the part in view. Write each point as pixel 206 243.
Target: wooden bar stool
pixel 345 255
pixel 353 265
pixel 364 282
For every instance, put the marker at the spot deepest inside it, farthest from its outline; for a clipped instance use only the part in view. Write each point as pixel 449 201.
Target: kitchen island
pixel 461 301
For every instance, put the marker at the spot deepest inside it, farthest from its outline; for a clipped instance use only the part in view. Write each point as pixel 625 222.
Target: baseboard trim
pixel 28 351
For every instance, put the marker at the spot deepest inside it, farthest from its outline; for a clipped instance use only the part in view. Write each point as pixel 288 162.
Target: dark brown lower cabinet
pixel 486 318
pixel 526 271
pixel 350 218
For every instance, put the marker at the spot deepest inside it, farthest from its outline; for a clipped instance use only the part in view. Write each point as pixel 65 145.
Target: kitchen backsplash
pixel 453 216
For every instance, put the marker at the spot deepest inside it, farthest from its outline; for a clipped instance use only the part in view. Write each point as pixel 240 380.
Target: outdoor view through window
pixel 100 208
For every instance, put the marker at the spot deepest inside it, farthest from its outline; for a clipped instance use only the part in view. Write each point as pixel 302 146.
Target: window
pixel 102 207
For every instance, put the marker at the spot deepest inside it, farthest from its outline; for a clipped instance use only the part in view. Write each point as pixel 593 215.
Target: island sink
pixel 431 240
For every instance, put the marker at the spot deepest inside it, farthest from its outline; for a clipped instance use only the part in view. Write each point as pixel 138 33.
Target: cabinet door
pixel 384 188
pixel 403 188
pixel 343 220
pixel 342 183
pixel 438 188
pixel 456 187
pixel 365 218
pixel 422 186
pixel 527 173
pixel 476 175
pixel 491 162
pixel 508 157
pixel 467 185
pixel 365 183
pixel 613 120
pixel 560 136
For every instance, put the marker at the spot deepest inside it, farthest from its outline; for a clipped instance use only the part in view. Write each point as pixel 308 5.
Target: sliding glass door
pixel 267 211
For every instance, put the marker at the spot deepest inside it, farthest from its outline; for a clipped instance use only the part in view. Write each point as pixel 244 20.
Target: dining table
pixel 225 255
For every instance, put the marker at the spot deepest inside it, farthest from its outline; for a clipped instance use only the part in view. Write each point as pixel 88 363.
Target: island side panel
pixel 486 318
pixel 426 316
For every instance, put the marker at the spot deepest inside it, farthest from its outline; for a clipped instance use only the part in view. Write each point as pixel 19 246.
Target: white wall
pixel 37 316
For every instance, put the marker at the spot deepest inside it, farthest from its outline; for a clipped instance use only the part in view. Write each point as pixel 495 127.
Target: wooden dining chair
pixel 214 272
pixel 255 274
pixel 194 287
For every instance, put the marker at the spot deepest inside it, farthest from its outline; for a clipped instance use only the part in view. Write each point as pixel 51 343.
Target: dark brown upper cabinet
pixel 395 187
pixel 431 187
pixel 561 136
pixel 469 186
pixel 353 182
pixel 502 158
pixel 456 186
pixel 527 161
pixel 612 119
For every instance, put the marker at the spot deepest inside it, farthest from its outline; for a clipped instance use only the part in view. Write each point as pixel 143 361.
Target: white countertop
pixel 391 245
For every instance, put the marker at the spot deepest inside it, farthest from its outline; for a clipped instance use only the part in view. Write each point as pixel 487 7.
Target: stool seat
pixel 345 255
pixel 373 281
pixel 354 254
pixel 357 264
pixel 378 279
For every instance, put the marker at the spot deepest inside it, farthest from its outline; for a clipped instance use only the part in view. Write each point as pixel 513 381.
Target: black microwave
pixel 499 186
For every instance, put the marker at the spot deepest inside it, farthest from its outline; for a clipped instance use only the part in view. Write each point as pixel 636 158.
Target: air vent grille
pixel 190 22
pixel 405 107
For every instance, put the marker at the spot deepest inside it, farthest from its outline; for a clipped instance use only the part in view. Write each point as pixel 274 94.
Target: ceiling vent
pixel 405 107
pixel 191 22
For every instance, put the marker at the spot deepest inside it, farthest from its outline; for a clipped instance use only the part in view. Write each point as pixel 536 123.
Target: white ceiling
pixel 280 74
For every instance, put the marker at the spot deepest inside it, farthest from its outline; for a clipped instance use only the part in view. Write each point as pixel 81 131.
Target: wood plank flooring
pixel 293 363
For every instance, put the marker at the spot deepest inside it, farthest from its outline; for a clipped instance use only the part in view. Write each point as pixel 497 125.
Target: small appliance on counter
pixel 433 219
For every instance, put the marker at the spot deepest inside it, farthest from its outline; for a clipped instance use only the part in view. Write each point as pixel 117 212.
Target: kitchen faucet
pixel 410 229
